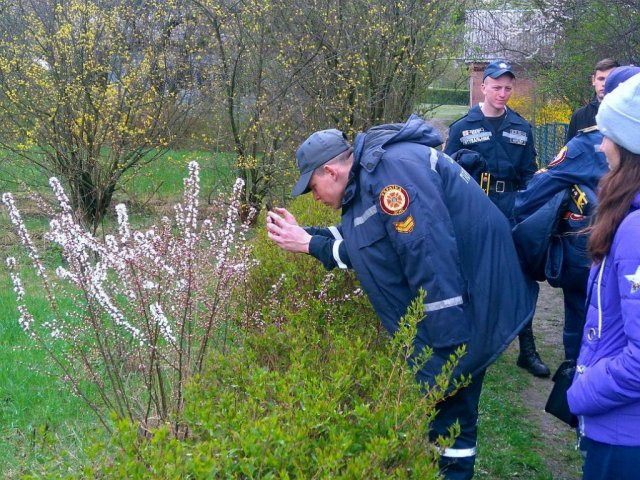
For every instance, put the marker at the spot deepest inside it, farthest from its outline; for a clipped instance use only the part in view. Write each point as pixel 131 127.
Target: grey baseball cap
pixel 314 152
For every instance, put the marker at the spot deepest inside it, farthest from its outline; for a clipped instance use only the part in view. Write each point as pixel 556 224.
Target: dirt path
pixel 560 453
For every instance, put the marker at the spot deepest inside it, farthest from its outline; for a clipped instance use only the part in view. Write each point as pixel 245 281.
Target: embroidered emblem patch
pixel 475 135
pixel 579 197
pixel 394 200
pixel 634 280
pixel 573 216
pixel 559 157
pixel 516 136
pixel 405 226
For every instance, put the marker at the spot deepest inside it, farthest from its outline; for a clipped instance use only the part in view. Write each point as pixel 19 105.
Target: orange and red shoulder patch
pixel 394 200
pixel 559 157
pixel 405 226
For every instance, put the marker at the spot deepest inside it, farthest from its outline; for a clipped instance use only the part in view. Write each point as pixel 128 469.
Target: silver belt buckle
pixel 500 186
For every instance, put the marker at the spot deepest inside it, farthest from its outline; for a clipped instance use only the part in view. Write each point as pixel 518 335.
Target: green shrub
pixel 300 276
pixel 342 405
pixel 131 316
pixel 315 391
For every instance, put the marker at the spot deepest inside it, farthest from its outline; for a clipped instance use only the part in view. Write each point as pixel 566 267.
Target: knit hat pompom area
pixel 619 115
pixel 619 75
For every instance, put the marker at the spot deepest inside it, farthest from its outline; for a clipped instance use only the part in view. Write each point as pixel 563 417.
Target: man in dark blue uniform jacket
pixel 504 161
pixel 564 262
pixel 412 218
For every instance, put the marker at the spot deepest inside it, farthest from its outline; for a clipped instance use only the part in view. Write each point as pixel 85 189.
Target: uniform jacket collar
pixel 370 146
pixel 475 114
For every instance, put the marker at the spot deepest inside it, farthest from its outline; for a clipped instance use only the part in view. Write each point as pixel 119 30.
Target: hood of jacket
pixel 370 146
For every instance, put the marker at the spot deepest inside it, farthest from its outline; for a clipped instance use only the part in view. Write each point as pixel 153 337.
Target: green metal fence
pixel 549 139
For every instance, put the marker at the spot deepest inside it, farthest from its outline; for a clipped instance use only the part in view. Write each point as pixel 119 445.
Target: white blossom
pixel 23 234
pixel 123 221
pixel 26 319
pixel 113 285
pixel 160 319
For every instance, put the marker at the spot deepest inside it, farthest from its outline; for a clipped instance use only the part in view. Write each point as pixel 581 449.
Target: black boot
pixel 529 358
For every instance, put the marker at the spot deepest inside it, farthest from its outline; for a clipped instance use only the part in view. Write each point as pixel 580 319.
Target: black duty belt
pixel 488 184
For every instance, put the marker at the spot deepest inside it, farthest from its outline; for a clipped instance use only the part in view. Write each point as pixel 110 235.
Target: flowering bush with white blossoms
pixel 133 316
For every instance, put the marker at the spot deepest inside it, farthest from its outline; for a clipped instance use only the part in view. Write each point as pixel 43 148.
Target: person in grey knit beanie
pixel 619 115
pixel 604 392
pixel 619 75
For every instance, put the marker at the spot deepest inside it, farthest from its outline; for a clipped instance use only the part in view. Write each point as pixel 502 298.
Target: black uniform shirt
pixel 583 117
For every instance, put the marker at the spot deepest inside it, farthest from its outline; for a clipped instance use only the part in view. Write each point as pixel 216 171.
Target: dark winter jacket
pixel 411 219
pixel 583 117
pixel 556 207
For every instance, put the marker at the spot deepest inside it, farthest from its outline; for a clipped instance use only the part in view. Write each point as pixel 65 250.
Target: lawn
pixel 39 417
pixel 160 179
pixel 446 113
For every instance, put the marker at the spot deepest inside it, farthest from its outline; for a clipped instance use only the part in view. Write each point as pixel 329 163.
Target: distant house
pixel 517 35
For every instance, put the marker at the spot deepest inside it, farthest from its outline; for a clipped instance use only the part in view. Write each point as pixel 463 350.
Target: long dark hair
pixel 616 192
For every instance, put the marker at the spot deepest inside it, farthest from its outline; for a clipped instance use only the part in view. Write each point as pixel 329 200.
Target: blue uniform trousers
pixel 575 296
pixel 457 462
pixel 609 462
pixel 574 300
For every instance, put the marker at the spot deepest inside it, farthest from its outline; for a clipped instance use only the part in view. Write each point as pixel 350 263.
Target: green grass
pixel 507 437
pixel 148 191
pixel 16 172
pixel 39 417
pixel 444 112
pixel 163 177
pixel 510 444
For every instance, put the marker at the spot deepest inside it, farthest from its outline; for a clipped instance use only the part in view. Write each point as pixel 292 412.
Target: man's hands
pixel 283 229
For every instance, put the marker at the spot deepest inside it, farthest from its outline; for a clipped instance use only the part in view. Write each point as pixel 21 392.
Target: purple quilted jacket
pixel 606 390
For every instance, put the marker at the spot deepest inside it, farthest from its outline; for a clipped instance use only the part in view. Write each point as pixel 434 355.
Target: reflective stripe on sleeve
pixel 449 302
pixel 459 452
pixel 433 159
pixel 368 213
pixel 335 232
pixel 336 254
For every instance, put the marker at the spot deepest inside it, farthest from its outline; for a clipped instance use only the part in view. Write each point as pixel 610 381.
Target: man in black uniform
pixel 495 145
pixel 586 116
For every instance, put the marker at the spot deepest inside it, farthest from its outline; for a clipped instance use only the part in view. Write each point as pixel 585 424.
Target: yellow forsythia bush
pixel 547 111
